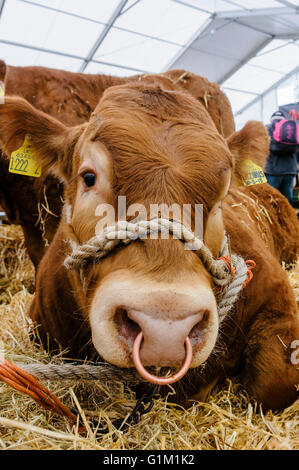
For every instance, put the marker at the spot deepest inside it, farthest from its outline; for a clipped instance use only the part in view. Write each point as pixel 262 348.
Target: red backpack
pixel 286 131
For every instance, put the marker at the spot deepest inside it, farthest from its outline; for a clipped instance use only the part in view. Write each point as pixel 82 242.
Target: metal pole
pixel 72 56
pixel 103 34
pixel 272 87
pixel 245 60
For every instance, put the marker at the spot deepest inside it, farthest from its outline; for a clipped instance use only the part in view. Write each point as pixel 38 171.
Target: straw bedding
pixel 229 420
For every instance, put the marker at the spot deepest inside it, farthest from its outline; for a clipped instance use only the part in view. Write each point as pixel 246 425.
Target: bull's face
pixel 154 147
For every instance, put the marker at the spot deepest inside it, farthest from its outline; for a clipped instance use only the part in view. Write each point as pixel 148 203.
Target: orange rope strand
pixel 26 383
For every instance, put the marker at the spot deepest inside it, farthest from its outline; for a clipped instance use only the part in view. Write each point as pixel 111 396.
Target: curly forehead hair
pixel 164 145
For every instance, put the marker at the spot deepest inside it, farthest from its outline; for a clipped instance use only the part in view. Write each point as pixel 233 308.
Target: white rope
pixel 102 371
pixel 123 233
pixel 233 289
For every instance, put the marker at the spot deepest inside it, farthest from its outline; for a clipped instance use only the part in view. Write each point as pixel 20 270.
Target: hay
pixel 229 420
pixel 16 271
pixel 43 214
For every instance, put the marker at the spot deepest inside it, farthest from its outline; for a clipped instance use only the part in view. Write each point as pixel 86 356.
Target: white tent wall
pixel 246 46
pixel 263 107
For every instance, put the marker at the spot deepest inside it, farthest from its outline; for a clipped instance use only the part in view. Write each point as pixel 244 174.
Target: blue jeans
pixel 284 184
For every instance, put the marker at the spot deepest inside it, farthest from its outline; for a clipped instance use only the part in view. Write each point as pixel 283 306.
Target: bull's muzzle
pixel 153 378
pixel 161 320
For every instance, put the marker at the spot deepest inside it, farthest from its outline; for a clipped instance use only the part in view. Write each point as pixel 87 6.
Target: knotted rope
pixel 123 233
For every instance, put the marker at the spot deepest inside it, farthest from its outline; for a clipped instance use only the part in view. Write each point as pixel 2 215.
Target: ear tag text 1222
pixel 23 161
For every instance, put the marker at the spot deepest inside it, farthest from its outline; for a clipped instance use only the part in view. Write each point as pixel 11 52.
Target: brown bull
pixel 157 146
pixel 36 204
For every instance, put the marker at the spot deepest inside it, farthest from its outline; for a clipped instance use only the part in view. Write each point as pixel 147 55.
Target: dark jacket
pixel 282 159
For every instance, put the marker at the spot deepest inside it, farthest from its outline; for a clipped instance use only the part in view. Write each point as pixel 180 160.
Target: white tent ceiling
pixel 245 45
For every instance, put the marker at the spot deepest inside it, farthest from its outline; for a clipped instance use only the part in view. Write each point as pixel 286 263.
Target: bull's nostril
pixel 128 328
pixel 197 334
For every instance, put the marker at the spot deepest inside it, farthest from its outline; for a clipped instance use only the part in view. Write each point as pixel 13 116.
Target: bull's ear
pixel 53 142
pixel 250 143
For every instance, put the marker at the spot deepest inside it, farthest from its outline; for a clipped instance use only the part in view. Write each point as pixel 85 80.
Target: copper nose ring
pixel 153 378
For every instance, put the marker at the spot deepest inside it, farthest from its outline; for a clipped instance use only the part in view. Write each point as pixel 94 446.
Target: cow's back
pixel 261 215
pixel 71 97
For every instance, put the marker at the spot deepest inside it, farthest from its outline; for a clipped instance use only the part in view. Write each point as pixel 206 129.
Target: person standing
pixel 281 165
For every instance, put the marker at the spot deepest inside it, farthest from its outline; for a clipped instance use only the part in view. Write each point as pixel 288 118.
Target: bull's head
pixel 154 147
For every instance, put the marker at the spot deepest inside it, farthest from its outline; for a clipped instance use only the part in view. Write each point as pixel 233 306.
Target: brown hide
pixel 255 339
pixel 253 342
pixel 71 97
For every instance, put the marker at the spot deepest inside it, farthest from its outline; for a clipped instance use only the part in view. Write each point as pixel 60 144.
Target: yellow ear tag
pixel 23 161
pixel 252 174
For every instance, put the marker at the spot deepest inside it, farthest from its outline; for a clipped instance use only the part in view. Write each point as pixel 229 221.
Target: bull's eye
pixel 89 179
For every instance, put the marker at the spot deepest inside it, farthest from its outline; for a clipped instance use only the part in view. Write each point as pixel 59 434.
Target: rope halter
pixel 230 273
